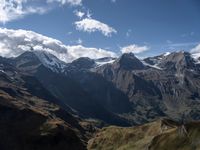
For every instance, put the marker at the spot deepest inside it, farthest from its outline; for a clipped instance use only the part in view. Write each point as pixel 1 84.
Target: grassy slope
pixel 158 135
pixel 176 141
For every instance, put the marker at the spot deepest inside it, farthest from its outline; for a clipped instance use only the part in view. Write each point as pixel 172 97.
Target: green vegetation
pixel 116 138
pixel 158 135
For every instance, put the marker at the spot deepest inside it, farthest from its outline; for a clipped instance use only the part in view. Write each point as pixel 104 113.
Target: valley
pixel 67 104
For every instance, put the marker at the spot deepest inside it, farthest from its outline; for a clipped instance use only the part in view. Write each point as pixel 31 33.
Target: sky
pixel 144 27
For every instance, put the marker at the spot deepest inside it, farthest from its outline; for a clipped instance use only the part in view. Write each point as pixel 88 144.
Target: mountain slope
pixel 75 86
pixel 31 121
pixel 170 89
pixel 123 92
pixel 159 135
pixel 30 60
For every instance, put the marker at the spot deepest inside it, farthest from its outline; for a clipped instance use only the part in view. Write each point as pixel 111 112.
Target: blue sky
pixel 153 26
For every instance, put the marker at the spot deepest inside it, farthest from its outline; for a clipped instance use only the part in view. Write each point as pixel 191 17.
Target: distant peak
pixel 37 58
pixel 83 63
pixel 28 55
pixel 178 60
pixel 128 61
pixel 178 55
pixel 128 55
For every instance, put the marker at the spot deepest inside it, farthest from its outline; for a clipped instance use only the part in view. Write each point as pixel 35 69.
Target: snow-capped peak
pixel 50 61
pixel 16 42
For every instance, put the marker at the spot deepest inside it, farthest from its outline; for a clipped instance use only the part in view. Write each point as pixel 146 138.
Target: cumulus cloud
pixel 92 25
pixel 15 9
pixel 79 14
pixel 196 52
pixel 196 49
pixel 15 42
pixel 78 51
pixel 134 49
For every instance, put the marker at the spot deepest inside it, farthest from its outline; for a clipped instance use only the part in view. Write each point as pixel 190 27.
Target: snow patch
pixel 101 62
pixel 166 54
pixel 196 57
pixel 50 61
pixel 2 71
pixel 152 66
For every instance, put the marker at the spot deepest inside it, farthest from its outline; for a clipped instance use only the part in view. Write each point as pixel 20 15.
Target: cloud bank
pixel 15 42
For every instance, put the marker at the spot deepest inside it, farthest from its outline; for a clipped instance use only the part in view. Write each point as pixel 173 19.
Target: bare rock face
pixel 83 63
pixel 86 92
pixel 124 91
pixel 166 85
pixel 129 62
pixel 178 61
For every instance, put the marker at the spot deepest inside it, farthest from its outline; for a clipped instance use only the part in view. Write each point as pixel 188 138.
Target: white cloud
pixel 92 25
pixel 16 42
pixel 78 51
pixel 89 14
pixel 79 14
pixel 14 9
pixel 79 41
pixel 196 49
pixel 134 49
pixel 71 2
pixel 128 33
pixel 113 1
pixel 196 52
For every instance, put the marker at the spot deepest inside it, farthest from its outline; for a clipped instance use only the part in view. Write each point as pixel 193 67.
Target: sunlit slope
pixel 158 135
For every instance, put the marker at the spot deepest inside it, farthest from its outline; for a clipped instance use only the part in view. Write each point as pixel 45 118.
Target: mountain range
pixel 66 103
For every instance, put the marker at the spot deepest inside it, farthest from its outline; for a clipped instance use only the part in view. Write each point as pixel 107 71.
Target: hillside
pixel 31 118
pixel 157 135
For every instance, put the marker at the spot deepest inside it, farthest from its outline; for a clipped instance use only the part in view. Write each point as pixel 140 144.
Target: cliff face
pixel 166 85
